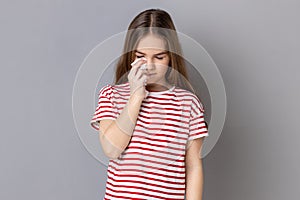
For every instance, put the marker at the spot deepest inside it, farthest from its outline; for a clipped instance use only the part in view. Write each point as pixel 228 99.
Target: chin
pixel 152 81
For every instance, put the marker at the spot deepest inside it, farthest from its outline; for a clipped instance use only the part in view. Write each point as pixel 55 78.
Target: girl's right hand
pixel 137 78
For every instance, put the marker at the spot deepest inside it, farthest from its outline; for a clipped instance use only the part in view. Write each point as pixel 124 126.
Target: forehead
pixel 151 43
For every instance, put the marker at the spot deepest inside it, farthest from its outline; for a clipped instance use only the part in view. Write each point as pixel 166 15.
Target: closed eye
pixel 160 58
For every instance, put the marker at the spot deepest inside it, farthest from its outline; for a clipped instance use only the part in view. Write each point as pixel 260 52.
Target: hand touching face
pixel 153 49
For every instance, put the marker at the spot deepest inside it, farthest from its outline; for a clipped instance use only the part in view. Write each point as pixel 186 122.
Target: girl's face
pixel 154 50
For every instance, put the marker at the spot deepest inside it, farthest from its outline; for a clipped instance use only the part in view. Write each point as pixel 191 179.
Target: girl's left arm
pixel 194 170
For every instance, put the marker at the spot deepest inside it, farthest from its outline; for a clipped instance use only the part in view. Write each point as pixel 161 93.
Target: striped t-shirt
pixel 153 164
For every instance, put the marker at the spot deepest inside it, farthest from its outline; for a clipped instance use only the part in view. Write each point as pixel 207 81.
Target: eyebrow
pixel 164 52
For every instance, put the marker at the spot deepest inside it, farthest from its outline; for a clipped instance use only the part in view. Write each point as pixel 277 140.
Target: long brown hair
pixel 159 23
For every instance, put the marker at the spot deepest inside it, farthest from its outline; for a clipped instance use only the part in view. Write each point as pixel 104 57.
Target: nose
pixel 150 65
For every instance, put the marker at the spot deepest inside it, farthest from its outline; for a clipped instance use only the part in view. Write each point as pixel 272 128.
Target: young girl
pixel 148 118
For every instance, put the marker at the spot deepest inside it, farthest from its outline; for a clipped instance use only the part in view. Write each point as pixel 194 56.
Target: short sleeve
pixel 105 109
pixel 197 125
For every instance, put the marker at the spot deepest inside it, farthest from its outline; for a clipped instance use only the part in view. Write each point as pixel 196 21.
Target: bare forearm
pixel 117 136
pixel 194 183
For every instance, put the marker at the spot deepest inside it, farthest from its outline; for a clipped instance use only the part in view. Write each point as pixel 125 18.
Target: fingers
pixel 137 60
pixel 140 72
pixel 143 79
pixel 136 64
pixel 138 77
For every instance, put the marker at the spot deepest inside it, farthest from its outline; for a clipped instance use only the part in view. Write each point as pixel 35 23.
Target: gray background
pixel 255 44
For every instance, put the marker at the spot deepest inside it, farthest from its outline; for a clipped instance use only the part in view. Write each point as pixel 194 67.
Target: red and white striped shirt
pixel 153 164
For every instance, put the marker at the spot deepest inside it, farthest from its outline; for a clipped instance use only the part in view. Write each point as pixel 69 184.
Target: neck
pixel 158 87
